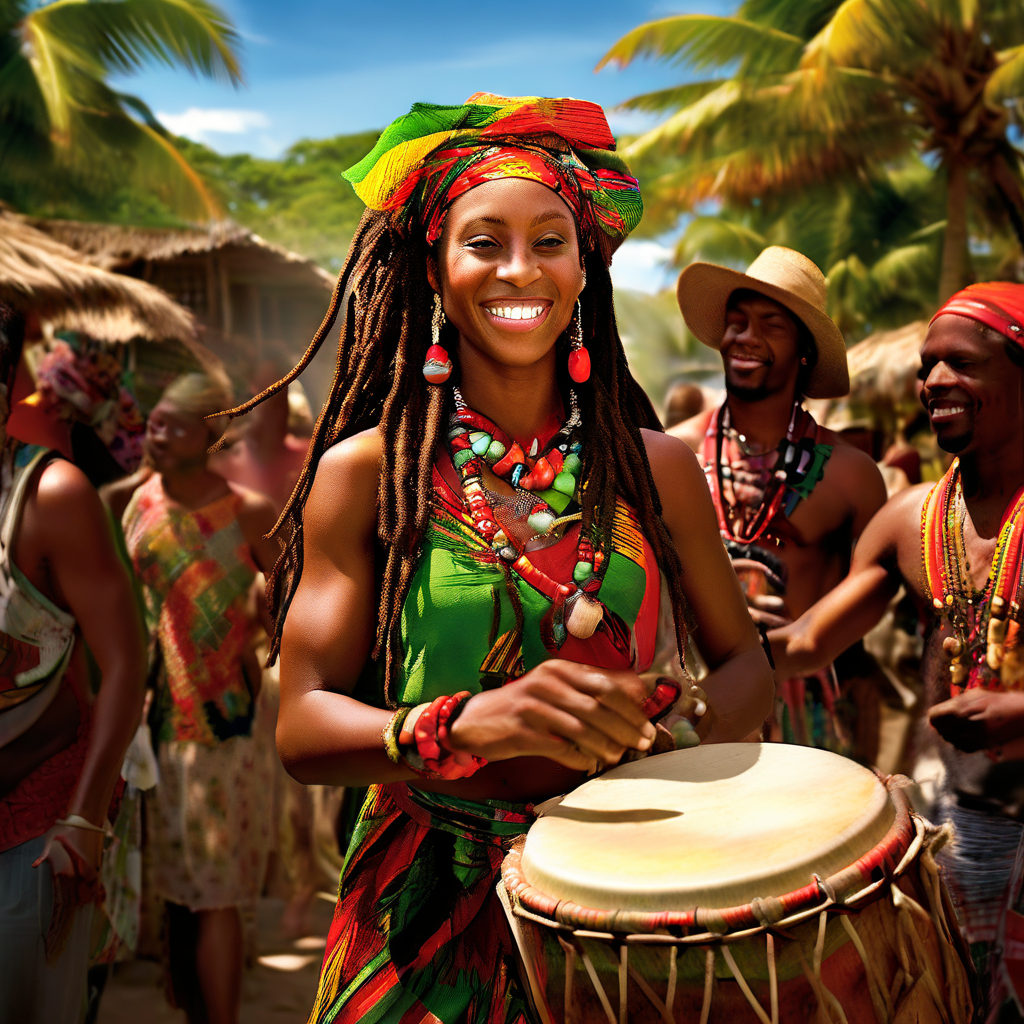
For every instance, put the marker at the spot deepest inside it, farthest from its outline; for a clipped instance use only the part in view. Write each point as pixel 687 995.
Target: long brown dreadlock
pixel 386 304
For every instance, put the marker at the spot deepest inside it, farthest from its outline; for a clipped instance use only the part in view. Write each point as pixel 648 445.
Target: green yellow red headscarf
pixel 429 157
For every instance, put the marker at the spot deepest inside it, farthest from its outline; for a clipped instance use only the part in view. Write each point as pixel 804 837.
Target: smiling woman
pixel 472 577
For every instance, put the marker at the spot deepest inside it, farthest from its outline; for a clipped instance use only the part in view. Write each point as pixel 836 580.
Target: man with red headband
pixel 958 547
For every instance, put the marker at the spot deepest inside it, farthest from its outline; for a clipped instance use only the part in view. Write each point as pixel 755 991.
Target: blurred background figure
pixel 81 409
pixel 266 456
pixel 197 544
pixel 683 401
pixel 67 606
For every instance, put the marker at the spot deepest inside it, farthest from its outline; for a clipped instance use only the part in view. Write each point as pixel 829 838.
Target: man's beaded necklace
pixel 545 485
pixel 980 620
pixel 797 469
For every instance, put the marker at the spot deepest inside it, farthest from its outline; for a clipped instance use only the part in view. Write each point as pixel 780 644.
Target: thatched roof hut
pixel 39 275
pixel 247 293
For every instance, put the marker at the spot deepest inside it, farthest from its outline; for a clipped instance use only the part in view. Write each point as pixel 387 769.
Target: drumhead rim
pixel 884 859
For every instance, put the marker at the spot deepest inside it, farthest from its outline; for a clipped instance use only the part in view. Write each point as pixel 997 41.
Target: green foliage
pixel 299 201
pixel 810 93
pixel 61 123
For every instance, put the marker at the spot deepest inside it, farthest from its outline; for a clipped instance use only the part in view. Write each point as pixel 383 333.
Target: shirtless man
pixel 973 373
pixel 61 749
pixel 790 538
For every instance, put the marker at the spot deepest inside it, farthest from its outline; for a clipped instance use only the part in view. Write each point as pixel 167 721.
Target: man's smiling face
pixel 971 387
pixel 759 348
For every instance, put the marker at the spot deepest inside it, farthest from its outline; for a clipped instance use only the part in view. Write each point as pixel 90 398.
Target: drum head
pixel 713 826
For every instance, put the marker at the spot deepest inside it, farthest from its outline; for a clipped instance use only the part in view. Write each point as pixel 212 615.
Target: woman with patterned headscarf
pixel 478 542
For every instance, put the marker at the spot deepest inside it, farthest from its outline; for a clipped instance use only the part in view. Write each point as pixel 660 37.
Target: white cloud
pixel 643 266
pixel 199 123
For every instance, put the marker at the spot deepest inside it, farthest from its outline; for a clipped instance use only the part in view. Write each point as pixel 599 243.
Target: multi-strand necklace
pixel 799 465
pixel 545 484
pixel 980 620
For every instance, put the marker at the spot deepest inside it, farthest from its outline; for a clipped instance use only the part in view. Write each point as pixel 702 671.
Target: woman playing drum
pixel 473 574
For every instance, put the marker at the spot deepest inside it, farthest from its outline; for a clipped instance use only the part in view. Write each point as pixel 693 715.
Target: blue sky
pixel 315 68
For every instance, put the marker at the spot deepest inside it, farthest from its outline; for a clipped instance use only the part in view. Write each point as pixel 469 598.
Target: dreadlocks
pixel 385 301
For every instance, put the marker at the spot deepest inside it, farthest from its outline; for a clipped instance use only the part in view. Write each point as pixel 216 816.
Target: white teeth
pixel 949 410
pixel 516 312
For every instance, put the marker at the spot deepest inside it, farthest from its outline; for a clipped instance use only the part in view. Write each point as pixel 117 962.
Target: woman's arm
pixel 740 685
pixel 67 526
pixel 570 713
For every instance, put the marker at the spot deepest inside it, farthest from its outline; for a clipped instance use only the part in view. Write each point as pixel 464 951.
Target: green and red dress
pixel 418 934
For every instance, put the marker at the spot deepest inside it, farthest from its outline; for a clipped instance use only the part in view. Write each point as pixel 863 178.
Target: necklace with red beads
pixel 545 486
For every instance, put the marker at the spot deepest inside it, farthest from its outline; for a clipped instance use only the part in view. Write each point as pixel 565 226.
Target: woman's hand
pixel 578 716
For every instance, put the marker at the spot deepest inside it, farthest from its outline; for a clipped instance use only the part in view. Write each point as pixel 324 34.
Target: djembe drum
pixel 732 883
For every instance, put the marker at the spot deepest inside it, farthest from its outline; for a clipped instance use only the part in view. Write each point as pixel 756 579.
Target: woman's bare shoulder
pixel 674 465
pixel 344 491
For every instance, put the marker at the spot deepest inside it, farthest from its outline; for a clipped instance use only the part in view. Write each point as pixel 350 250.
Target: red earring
pixel 579 357
pixel 438 367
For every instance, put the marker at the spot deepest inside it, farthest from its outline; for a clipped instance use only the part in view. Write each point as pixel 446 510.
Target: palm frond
pixel 875 35
pixel 672 98
pixel 1007 81
pixel 803 18
pixel 706 41
pixel 720 239
pixel 124 35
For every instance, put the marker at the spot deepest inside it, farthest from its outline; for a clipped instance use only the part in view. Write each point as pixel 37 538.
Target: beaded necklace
pixel 980 620
pixel 545 484
pixel 798 468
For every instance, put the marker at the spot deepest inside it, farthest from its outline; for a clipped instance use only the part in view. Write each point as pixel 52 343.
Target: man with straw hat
pixel 791 498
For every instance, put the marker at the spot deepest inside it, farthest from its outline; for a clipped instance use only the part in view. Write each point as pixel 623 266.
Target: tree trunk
pixel 955 258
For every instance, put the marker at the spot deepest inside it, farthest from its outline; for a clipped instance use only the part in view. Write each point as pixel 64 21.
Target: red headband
pixel 996 304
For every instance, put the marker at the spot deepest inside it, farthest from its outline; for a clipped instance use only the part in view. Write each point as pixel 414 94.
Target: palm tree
pixel 823 91
pixel 60 119
pixel 878 242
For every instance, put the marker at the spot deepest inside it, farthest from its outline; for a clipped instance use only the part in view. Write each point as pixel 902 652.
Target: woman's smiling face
pixel 508 270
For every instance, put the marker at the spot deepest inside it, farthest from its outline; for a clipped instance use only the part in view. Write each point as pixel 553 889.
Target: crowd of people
pixel 488 498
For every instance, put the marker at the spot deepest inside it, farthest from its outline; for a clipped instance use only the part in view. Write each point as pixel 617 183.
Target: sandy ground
pixel 279 989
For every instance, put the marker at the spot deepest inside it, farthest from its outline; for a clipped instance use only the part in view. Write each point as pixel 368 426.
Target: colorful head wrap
pixel 996 304
pixel 90 380
pixel 429 157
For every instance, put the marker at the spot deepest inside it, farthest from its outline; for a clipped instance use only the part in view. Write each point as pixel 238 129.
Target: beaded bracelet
pixel 420 738
pixel 666 693
pixel 390 734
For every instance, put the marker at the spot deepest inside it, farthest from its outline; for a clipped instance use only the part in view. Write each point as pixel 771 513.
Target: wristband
pixel 424 740
pixel 390 735
pixel 666 693
pixel 77 821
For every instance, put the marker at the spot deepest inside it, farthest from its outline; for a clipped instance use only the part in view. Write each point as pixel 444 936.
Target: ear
pixel 432 275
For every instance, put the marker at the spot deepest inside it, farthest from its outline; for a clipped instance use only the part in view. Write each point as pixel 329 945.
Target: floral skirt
pixel 419 935
pixel 209 823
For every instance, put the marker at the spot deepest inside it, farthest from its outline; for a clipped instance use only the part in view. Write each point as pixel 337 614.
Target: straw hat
pixel 790 279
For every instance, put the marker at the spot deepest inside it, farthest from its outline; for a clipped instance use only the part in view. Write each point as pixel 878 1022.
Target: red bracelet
pixel 427 749
pixel 666 694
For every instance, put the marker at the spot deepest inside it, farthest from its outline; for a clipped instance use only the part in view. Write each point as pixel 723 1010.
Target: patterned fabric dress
pixel 418 935
pixel 209 826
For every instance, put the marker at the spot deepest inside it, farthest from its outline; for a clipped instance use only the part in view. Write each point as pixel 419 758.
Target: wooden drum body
pixel 734 883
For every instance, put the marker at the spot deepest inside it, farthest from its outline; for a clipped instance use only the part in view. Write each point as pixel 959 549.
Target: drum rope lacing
pixel 927 840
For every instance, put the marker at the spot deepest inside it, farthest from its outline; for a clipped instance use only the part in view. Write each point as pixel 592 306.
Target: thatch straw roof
pixel 887 362
pixel 115 247
pixel 40 275
pixel 883 374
